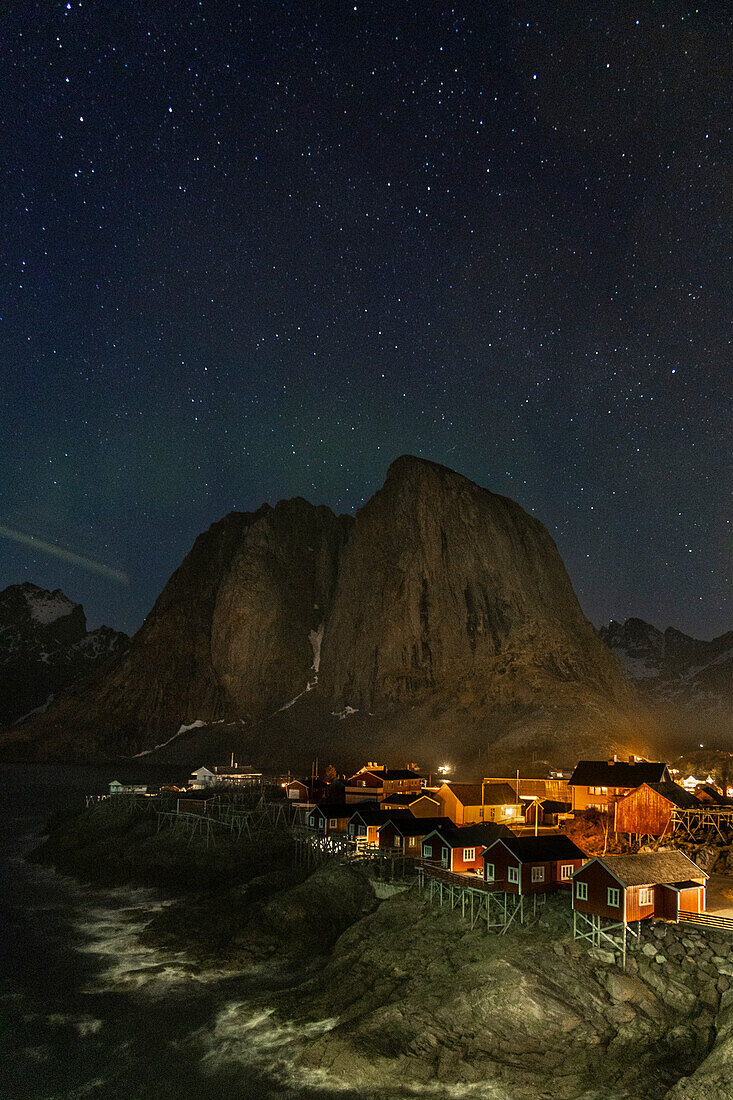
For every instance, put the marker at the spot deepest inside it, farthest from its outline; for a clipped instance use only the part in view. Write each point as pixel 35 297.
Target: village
pixel 626 841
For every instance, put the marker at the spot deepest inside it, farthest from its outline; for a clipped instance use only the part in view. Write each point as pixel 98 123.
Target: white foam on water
pixel 254 1039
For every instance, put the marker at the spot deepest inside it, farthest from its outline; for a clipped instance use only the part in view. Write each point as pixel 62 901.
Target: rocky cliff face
pixel 442 604
pixel 233 632
pixel 445 586
pixel 44 648
pixel 673 667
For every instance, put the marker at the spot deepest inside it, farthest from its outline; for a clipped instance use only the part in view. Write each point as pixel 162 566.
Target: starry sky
pixel 257 250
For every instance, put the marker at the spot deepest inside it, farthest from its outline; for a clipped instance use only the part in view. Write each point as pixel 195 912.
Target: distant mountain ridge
pixel 671 666
pixel 440 619
pixel 45 647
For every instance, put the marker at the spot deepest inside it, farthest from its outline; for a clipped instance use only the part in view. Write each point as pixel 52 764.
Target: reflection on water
pixel 88 1011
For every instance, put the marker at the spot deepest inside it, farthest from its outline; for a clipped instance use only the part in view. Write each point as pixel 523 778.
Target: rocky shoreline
pixel 398 997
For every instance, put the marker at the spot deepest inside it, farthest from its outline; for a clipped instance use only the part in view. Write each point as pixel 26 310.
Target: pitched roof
pixel 483 832
pixel 652 868
pixel 467 793
pixel 400 773
pixel 599 773
pixel 418 826
pixel 373 815
pixel 541 849
pixel 499 794
pixel 408 799
pixel 342 809
pixel 677 795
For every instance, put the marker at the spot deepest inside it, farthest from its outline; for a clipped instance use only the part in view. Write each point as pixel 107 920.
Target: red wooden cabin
pixel 460 848
pixel 648 810
pixel 635 887
pixel 405 834
pixel 364 824
pixel 331 817
pixel 532 864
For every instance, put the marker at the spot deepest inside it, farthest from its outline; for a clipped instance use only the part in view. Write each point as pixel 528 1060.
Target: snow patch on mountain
pixel 47 607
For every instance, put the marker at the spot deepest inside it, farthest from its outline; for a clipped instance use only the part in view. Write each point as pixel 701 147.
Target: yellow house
pixel 465 803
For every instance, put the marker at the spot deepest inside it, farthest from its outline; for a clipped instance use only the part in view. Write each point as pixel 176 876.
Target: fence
pixel 708 920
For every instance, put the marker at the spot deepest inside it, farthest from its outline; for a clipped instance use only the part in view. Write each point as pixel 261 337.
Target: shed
pixel 365 823
pixel 546 811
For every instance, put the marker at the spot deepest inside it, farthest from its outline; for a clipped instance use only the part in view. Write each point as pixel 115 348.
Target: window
pixel 351 830
pixel 362 783
pixel 312 819
pixel 593 790
pixel 469 854
pixel 604 790
pixel 566 872
pixel 332 822
pixel 646 896
pixel 581 891
pixel 613 897
pixel 427 851
pixel 362 830
pixel 489 872
pixel 510 810
pixel 538 874
pixel 513 874
pixel 398 841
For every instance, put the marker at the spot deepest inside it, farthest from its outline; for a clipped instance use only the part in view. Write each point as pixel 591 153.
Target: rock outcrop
pixel 442 608
pixel 44 648
pixel 445 586
pixel 672 667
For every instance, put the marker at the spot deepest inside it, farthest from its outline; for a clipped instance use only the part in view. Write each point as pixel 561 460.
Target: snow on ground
pixel 46 607
pixel 36 710
pixel 183 729
pixel 345 713
pixel 315 637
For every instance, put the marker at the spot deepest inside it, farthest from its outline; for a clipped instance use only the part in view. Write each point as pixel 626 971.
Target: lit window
pixel 513 874
pixel 613 897
pixel 646 896
pixel 398 841
pixel 538 874
pixel 469 854
pixel 489 872
pixel 581 891
pixel 566 872
pixel 427 850
pixel 510 810
pixel 604 790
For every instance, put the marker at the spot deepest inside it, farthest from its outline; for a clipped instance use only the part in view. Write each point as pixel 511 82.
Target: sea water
pixel 86 1010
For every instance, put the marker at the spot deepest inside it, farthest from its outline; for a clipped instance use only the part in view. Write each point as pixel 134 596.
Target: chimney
pixel 632 760
pixel 612 759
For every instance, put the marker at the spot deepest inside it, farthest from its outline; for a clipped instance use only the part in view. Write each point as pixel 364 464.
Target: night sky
pixel 257 250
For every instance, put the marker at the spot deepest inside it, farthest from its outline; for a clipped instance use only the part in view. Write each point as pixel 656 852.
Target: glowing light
pixel 65 555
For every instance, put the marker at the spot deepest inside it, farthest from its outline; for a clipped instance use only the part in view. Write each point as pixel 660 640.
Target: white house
pixel 229 774
pixel 116 787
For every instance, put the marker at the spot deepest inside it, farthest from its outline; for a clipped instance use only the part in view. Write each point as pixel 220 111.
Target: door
pixel 445 858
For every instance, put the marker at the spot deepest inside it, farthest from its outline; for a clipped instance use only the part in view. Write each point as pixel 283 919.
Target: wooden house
pixel 532 864
pixel 419 805
pixel 597 784
pixel 636 887
pixel 328 818
pixel 225 774
pixel 297 791
pixel 365 822
pixel 459 848
pixel 545 811
pixel 467 803
pixel 405 834
pixel 648 810
pixel 116 787
pixel 376 781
